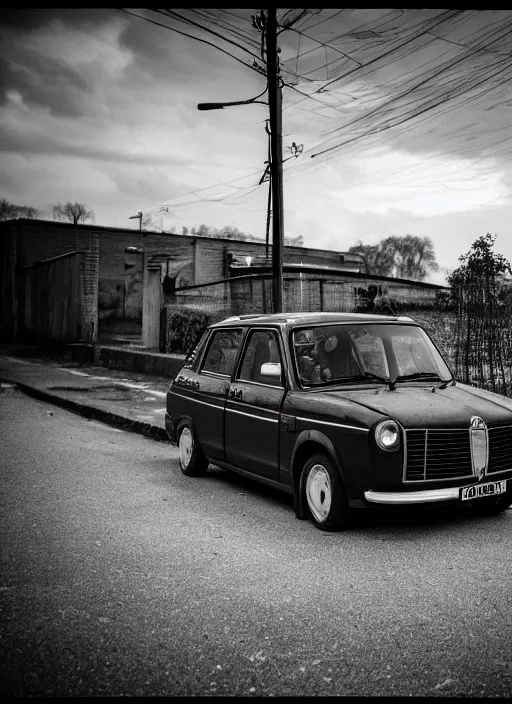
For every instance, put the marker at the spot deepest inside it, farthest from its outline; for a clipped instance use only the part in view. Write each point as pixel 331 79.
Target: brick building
pixel 114 261
pixel 114 267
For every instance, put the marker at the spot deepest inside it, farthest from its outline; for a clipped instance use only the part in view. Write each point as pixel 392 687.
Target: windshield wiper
pixel 419 375
pixel 371 375
pixel 445 383
pixel 427 375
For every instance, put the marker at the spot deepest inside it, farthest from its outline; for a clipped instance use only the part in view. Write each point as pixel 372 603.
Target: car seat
pixel 261 356
pixel 341 360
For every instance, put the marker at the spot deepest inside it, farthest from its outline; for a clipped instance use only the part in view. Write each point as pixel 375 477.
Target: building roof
pixel 91 227
pixel 292 266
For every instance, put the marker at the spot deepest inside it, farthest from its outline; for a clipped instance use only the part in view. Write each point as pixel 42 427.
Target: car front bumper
pixel 427 496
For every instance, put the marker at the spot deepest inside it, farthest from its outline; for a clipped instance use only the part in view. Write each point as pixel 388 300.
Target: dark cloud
pixel 33 143
pixel 149 43
pixel 43 82
pixel 165 55
pixel 27 20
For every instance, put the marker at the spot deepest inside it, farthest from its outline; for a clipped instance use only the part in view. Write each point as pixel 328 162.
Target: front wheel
pixel 325 495
pixel 193 463
pixel 493 505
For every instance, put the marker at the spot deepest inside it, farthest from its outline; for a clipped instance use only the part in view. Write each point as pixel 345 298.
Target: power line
pixel 190 36
pixel 186 20
pixel 423 23
pixel 408 91
pixel 445 17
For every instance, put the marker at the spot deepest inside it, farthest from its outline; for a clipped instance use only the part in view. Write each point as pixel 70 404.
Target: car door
pixel 252 424
pixel 208 392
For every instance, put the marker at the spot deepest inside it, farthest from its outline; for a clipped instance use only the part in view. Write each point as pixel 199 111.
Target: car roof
pixel 284 319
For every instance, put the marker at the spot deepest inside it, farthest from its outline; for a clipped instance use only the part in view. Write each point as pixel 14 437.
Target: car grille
pixel 438 454
pixel 500 449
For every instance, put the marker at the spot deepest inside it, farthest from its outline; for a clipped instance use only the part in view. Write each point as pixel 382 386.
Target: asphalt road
pixel 121 576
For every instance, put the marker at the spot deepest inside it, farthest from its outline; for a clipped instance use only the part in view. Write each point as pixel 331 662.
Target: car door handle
pixel 235 393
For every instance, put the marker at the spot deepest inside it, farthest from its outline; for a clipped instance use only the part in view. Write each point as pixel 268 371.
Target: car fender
pixel 180 421
pixel 306 436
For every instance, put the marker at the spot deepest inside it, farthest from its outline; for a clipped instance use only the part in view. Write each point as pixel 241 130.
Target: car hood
pixel 418 407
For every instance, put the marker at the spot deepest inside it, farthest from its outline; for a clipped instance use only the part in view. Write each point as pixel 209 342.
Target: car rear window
pixel 222 351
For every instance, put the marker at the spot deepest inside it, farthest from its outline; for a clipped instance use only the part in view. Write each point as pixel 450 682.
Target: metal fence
pixel 484 336
pixel 472 326
pixel 246 294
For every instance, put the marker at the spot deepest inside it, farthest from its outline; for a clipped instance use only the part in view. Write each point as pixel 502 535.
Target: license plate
pixel 478 491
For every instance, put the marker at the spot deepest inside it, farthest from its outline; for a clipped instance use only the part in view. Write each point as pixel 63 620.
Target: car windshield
pixel 376 352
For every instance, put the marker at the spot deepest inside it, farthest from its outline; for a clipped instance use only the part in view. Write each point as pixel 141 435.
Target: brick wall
pixel 203 259
pixel 112 272
pixel 89 288
pixel 40 240
pixel 209 263
pixel 291 255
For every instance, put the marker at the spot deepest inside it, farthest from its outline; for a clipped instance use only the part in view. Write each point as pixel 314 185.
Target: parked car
pixel 343 411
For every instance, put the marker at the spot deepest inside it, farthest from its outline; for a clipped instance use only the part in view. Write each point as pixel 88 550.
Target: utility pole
pixel 276 158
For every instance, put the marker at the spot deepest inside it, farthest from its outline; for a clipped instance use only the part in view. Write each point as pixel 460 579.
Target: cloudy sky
pixel 405 119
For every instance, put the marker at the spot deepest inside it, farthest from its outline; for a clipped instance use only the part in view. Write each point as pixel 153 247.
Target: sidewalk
pixel 130 400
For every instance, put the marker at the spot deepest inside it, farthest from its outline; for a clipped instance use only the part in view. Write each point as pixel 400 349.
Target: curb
pixel 154 432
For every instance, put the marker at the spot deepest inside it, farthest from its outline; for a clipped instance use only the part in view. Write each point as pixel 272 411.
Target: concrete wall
pixel 151 307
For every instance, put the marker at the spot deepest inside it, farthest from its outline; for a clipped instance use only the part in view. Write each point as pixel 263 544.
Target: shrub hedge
pixel 181 327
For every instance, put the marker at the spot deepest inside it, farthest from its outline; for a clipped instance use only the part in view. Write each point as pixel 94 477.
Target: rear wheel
pixel 193 463
pixel 493 505
pixel 325 496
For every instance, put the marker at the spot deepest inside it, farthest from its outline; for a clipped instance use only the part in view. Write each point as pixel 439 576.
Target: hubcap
pixel 318 492
pixel 186 445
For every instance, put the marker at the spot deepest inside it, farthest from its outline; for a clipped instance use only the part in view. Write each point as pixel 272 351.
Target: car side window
pixel 262 349
pixel 221 354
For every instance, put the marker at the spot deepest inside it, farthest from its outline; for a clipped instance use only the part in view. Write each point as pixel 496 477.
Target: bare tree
pixel 294 241
pixel 231 232
pixel 74 212
pixel 10 211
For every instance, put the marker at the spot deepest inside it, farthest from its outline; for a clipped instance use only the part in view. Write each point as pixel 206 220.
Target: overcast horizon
pixel 100 107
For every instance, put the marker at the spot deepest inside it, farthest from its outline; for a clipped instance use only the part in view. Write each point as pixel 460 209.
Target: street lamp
pixel 137 217
pixel 221 106
pixel 268 25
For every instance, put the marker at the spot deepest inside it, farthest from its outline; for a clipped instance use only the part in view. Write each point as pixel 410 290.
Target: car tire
pixel 493 505
pixel 324 494
pixel 193 463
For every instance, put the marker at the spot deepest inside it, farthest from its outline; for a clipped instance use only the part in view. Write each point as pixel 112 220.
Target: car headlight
pixel 387 435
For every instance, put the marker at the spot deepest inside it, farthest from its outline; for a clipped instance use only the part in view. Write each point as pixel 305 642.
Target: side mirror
pixel 272 369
